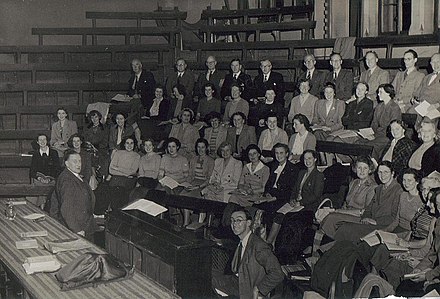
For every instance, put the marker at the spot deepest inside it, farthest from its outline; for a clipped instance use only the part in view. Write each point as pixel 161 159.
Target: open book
pixel 389 239
pixel 367 133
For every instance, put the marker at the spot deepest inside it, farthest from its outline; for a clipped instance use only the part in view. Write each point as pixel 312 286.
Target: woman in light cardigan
pixel 302 140
pixel 215 134
pixel 61 131
pixel 225 176
pixel 271 136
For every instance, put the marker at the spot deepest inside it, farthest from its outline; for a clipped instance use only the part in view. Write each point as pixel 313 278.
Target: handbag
pixel 90 269
pixel 322 212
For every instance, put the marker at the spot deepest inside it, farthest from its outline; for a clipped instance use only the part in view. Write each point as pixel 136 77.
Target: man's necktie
pixel 235 76
pixel 405 74
pixel 208 76
pixel 335 76
pixel 265 78
pixel 237 258
pixel 44 155
pixel 135 82
pixel 308 75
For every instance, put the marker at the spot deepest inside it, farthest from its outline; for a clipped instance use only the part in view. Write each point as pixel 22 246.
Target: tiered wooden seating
pixel 169 32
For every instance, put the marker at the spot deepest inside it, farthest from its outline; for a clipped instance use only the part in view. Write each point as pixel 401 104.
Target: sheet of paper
pixel 432 294
pixel 287 208
pixel 166 181
pixel 422 108
pixel 146 206
pixel 34 216
pixel 121 98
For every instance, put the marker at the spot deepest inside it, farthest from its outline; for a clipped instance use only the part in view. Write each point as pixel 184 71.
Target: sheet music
pixel 422 109
pixel 146 206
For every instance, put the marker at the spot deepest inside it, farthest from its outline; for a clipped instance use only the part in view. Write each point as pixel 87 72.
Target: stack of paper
pixel 46 263
pixel 60 246
pixel 26 244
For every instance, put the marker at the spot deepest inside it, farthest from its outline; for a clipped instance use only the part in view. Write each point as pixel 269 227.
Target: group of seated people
pixel 224 138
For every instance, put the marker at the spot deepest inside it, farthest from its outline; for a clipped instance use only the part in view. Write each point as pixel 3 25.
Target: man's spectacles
pixel 238 221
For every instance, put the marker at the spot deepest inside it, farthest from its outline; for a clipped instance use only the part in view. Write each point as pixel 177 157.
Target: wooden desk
pixel 45 285
pixel 177 258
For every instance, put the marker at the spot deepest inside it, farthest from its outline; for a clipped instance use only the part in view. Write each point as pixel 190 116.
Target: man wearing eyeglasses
pixel 182 76
pixel 256 270
pixel 212 75
pixel 342 78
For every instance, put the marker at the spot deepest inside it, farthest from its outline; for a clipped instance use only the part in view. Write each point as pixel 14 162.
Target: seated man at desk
pixel 73 201
pixel 256 270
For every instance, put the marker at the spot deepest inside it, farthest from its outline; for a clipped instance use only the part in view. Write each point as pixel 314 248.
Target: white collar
pixel 280 168
pixel 258 167
pixel 76 174
pixel 46 151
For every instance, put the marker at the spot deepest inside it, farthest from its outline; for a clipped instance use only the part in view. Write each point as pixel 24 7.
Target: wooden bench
pixel 115 70
pixel 211 31
pixel 80 88
pixel 392 41
pixel 115 52
pixel 170 15
pixel 344 148
pixel 128 32
pixel 22 190
pixel 244 16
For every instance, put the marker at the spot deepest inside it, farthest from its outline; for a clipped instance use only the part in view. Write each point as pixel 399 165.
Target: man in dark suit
pixel 210 75
pixel 183 76
pixel 73 202
pixel 268 79
pixel 315 77
pixel 236 76
pixel 141 84
pixel 343 79
pixel 256 269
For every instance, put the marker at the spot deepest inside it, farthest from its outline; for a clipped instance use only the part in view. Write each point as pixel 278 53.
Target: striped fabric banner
pixel 45 285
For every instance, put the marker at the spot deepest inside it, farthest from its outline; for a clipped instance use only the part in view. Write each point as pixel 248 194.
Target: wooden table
pixel 45 285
